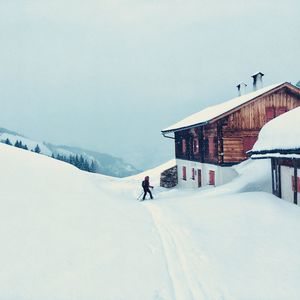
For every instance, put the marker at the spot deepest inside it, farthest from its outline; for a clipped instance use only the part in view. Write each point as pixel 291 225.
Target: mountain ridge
pixel 105 163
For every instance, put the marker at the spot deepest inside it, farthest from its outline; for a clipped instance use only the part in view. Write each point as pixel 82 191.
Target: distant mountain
pixel 103 163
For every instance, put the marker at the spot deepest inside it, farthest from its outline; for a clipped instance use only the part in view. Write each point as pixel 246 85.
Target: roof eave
pixel 255 98
pixel 272 151
pixel 293 88
pixel 183 128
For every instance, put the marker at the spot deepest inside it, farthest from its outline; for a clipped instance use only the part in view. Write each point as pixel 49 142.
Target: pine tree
pixel 25 147
pixel 17 144
pixel 93 167
pixel 7 142
pixel 37 149
pixel 71 159
pixel 76 161
pixel 81 163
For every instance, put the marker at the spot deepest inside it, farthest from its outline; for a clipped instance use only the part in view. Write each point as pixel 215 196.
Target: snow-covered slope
pixel 154 173
pixel 67 234
pixel 105 164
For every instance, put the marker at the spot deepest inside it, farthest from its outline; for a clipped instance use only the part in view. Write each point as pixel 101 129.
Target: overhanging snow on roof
pixel 212 112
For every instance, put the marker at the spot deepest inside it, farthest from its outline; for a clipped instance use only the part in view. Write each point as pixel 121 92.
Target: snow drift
pixel 67 234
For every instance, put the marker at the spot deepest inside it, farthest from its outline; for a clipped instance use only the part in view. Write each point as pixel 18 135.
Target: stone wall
pixel 169 178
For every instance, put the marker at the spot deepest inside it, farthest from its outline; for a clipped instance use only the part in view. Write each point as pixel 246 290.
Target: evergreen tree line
pixel 19 144
pixel 78 161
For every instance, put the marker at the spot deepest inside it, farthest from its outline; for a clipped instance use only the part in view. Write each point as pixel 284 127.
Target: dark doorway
pixel 199 178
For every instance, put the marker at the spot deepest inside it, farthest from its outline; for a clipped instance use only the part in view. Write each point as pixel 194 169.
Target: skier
pixel 146 185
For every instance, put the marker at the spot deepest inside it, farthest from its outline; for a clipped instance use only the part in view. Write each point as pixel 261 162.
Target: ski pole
pixel 138 198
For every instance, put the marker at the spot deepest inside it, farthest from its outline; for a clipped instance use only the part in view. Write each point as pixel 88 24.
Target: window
pixel 193 173
pixel 206 150
pixel 272 112
pixel 184 173
pixel 211 177
pixel 248 142
pixel 183 146
pixel 199 178
pixel 195 146
pixel 280 110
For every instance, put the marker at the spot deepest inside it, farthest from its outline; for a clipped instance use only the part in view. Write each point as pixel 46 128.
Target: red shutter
pixel 298 184
pixel 184 173
pixel 270 113
pixel 280 110
pixel 249 142
pixel 212 177
pixel 293 183
pixel 183 146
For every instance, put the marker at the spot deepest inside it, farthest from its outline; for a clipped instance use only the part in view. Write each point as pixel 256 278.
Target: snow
pixel 154 174
pixel 68 234
pixel 106 164
pixel 212 112
pixel 281 133
pixel 31 144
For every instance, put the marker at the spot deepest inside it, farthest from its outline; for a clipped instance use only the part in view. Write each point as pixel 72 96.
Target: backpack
pixel 143 183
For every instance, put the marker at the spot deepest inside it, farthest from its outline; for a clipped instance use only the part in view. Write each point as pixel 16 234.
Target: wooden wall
pixel 253 115
pixel 242 126
pixel 226 140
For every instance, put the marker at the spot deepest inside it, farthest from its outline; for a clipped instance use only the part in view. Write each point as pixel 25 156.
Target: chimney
pixel 241 88
pixel 257 81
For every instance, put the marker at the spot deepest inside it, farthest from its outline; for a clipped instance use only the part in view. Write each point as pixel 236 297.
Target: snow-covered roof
pixel 215 111
pixel 280 136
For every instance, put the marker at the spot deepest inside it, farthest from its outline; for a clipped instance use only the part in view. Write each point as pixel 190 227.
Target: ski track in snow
pixel 190 271
pixel 184 262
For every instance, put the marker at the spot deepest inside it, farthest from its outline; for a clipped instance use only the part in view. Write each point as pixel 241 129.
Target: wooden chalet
pixel 280 142
pixel 209 142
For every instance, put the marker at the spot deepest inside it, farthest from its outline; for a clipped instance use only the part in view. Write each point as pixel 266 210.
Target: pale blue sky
pixel 109 75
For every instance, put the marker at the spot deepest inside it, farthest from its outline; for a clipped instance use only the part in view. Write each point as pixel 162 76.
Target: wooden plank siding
pixel 253 115
pixel 225 140
pixel 210 143
pixel 248 121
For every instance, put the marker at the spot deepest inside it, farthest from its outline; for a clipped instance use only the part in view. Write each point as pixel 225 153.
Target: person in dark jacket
pixel 146 185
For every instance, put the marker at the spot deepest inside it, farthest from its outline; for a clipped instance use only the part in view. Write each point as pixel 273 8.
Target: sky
pixel 110 75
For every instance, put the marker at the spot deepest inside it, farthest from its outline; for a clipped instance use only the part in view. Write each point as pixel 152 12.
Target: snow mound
pixel 280 133
pixel 253 176
pixel 66 234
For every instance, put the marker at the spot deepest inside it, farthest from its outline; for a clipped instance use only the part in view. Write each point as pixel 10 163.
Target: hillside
pixel 105 164
pixel 68 234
